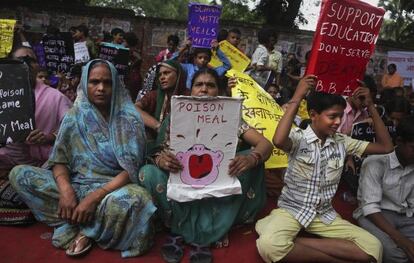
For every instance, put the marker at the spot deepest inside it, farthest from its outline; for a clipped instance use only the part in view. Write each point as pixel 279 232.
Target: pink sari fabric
pixel 51 106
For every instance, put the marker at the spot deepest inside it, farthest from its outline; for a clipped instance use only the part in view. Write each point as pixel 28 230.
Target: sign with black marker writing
pixel 16 102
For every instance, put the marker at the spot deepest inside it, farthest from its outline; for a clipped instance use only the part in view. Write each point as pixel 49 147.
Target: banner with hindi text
pixel 260 111
pixel 6 36
pixel 238 60
pixel 404 60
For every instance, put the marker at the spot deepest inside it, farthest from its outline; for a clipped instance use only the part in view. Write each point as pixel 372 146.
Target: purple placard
pixel 40 54
pixel 203 23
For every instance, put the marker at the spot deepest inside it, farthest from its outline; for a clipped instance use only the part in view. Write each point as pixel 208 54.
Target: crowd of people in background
pixel 81 164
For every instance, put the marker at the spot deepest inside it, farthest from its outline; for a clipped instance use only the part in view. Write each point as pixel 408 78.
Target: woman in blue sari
pixel 89 193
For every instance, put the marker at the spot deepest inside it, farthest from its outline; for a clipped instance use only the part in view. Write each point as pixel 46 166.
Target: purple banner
pixel 203 23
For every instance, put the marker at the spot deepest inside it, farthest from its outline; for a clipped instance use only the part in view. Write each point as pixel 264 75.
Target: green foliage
pixel 400 26
pixel 272 12
pixel 238 10
pixel 282 13
pixel 172 9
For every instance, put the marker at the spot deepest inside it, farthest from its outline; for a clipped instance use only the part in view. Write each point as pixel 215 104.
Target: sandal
pixel 223 242
pixel 71 251
pixel 200 254
pixel 172 251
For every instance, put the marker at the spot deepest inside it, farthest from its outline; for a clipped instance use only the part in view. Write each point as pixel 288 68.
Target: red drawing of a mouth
pixel 200 165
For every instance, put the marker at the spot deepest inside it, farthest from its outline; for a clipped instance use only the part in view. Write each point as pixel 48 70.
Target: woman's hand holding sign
pixel 168 162
pixel 39 137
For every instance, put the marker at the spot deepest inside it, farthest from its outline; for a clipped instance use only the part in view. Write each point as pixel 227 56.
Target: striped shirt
pixel 313 174
pixel 385 184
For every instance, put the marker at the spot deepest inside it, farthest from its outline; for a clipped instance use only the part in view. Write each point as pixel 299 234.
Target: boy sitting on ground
pixel 316 159
pixel 386 196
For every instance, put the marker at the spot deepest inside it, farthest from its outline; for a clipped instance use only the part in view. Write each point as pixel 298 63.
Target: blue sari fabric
pixel 95 151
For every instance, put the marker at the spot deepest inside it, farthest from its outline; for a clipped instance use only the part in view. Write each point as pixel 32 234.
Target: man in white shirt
pixel 386 196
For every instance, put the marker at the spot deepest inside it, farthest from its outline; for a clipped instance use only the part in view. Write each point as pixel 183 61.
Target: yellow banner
pixel 260 111
pixel 238 60
pixel 6 36
pixel 303 110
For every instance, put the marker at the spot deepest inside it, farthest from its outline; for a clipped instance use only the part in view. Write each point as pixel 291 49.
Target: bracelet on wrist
pixel 256 156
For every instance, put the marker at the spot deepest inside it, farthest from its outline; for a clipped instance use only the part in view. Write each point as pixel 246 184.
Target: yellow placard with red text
pixel 6 36
pixel 261 112
pixel 238 60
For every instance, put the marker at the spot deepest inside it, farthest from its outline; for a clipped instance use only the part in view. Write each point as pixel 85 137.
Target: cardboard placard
pixel 16 102
pixel 6 36
pixel 238 60
pixel 59 53
pixel 203 137
pixel 260 111
pixel 116 54
pixel 343 43
pixel 203 24
pixel 81 52
pixel 364 131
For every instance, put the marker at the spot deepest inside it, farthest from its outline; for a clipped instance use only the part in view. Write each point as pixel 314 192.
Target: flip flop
pixel 200 254
pixel 76 243
pixel 223 242
pixel 172 250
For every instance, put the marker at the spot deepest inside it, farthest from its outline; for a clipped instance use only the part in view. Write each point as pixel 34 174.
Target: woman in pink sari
pixel 51 106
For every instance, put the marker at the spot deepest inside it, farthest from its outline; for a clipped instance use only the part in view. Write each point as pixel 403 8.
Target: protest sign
pixel 203 23
pixel 6 36
pixel 116 54
pixel 343 43
pixel 59 53
pixel 16 102
pixel 260 111
pixel 40 54
pixel 238 60
pixel 404 60
pixel 365 131
pixel 81 52
pixel 204 138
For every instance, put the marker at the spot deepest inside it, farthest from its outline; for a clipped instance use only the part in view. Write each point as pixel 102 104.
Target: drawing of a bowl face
pixel 202 165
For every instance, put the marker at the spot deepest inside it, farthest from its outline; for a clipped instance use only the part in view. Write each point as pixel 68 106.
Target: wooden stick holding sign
pixel 343 43
pixel 16 102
